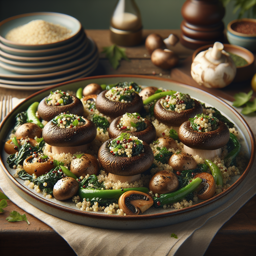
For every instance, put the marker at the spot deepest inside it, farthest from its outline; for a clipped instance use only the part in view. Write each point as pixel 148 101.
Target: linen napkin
pixel 86 240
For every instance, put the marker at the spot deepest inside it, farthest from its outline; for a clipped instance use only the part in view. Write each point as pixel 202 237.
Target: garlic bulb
pixel 213 68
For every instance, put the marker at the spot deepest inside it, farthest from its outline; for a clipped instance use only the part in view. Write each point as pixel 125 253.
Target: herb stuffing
pixel 59 98
pixel 126 146
pixel 203 123
pixel 68 120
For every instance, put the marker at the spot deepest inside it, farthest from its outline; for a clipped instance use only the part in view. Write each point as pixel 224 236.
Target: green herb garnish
pixel 3 204
pixel 15 216
pixel 115 54
pixel 174 236
pixel 100 122
pixel 241 98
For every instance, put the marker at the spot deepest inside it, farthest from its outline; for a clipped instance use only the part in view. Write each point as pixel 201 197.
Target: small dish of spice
pixel 242 32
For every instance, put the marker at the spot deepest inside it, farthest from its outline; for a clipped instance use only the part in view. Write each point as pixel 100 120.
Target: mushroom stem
pixel 203 153
pixel 216 50
pixel 122 179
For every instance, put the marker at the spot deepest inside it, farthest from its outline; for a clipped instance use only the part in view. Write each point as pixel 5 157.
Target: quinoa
pixel 38 32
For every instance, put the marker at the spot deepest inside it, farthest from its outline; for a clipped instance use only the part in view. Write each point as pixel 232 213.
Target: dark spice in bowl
pixel 244 27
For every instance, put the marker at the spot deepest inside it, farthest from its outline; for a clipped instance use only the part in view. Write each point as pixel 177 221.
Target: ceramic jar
pixel 202 23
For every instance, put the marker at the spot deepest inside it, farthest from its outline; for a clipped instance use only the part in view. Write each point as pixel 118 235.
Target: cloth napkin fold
pixel 195 234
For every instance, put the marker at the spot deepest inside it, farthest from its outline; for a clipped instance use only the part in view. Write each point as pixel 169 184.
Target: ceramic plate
pixel 10 75
pixel 56 18
pixel 45 52
pixel 83 57
pixel 153 217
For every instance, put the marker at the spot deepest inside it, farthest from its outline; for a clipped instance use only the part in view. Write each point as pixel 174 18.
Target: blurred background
pixel 96 14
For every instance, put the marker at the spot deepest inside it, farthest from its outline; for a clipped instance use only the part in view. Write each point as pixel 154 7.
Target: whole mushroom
pixel 84 164
pixel 92 88
pixel 165 59
pixel 49 108
pixel 153 42
pixel 69 137
pixel 65 188
pixel 213 68
pixel 30 130
pixel 163 182
pixel 148 91
pixel 182 161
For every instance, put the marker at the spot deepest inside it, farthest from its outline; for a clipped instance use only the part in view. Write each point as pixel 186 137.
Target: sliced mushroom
pixel 30 130
pixel 37 167
pixel 207 189
pixel 47 112
pixel 148 91
pixel 173 118
pixel 83 165
pixel 65 188
pixel 164 182
pixel 147 135
pixel 11 148
pixel 114 109
pixel 182 161
pixel 204 140
pixel 135 202
pixel 92 88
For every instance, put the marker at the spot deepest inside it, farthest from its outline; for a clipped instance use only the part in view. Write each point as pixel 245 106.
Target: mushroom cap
pixel 153 42
pixel 125 166
pixel 173 118
pixel 86 164
pixel 167 142
pixel 30 130
pixel 182 161
pixel 114 109
pixel 204 140
pixel 65 188
pixel 92 88
pixel 47 112
pixel 164 182
pixel 148 91
pixel 76 136
pixel 147 135
pixel 164 59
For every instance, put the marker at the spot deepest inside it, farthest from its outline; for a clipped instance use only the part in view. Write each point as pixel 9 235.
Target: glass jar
pixel 125 24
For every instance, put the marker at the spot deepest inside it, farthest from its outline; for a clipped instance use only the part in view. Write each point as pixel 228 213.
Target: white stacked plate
pixel 26 66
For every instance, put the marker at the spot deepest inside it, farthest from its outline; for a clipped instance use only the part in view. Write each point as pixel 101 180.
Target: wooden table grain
pixel 236 237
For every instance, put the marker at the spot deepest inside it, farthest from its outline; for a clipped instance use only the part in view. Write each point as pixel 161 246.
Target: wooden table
pixel 236 237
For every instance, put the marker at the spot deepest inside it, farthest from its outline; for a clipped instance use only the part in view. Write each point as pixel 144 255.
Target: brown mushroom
pixel 125 166
pixel 47 112
pixel 134 202
pixel 65 188
pixel 69 140
pixel 83 165
pixel 164 59
pixel 30 130
pixel 204 140
pixel 182 161
pixel 147 135
pixel 148 91
pixel 173 118
pixel 167 142
pixel 153 42
pixel 207 188
pixel 92 88
pixel 114 109
pixel 163 182
pixel 38 166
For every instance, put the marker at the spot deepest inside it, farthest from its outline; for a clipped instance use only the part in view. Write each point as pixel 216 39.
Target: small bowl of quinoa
pixel 42 30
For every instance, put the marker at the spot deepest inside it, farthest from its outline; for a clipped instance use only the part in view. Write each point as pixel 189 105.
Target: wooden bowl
pixel 243 73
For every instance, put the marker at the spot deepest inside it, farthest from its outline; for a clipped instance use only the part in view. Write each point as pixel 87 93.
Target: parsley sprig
pixel 243 100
